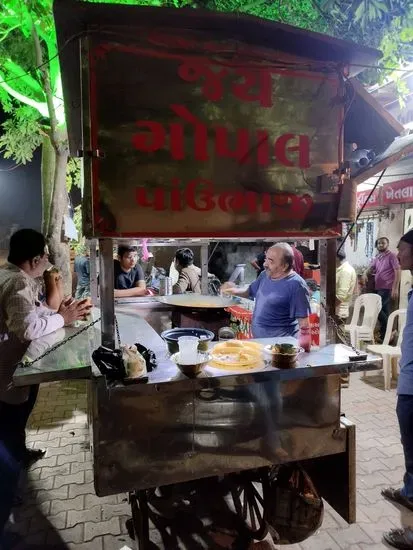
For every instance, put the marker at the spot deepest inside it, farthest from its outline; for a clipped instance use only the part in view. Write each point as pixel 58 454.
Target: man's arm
pixel 24 318
pixel 396 283
pixel 343 287
pixel 182 284
pixel 303 322
pixel 139 290
pixel 255 264
pixel 227 288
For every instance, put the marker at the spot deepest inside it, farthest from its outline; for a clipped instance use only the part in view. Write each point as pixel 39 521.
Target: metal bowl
pixel 192 371
pixel 283 360
pixel 171 337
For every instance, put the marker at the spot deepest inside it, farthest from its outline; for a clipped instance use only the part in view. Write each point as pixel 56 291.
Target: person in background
pixel 82 270
pixel 189 279
pixel 258 262
pixel 298 264
pixel 403 538
pixel 24 319
pixel 386 271
pixel 346 280
pixel 128 275
pixel 314 290
pixel 282 304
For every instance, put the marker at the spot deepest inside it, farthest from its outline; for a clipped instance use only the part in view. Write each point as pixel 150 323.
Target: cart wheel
pixel 249 506
pixel 138 525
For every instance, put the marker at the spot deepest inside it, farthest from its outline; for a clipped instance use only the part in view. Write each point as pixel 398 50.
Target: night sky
pixel 20 193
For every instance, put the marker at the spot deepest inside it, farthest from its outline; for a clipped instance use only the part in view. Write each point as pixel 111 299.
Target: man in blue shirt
pixel 403 538
pixel 282 304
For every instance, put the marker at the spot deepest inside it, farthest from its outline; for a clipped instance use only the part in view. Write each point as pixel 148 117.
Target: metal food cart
pixel 195 124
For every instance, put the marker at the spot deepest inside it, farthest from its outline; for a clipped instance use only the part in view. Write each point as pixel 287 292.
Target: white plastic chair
pixel 371 304
pixel 388 352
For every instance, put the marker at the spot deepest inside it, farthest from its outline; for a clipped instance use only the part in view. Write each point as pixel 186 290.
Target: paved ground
pixel 61 510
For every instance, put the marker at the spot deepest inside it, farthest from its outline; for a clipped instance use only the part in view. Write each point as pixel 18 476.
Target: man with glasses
pixel 24 319
pixel 128 274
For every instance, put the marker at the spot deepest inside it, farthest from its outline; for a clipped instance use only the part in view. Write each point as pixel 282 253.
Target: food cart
pixel 195 124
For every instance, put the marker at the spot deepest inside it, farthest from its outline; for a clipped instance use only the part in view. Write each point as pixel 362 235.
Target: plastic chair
pixel 388 352
pixel 371 304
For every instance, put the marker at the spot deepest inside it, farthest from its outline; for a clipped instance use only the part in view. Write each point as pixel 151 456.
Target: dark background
pixel 20 194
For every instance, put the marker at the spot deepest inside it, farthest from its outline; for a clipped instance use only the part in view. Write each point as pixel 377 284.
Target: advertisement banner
pixel 373 202
pixel 398 192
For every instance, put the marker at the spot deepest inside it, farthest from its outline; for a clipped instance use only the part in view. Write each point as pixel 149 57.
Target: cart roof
pixel 74 19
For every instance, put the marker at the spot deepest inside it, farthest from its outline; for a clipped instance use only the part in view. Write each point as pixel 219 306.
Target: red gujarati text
pixel 199 195
pixel 154 136
pixel 253 84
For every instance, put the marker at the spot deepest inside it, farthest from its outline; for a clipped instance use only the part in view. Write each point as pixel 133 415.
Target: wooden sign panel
pixel 203 136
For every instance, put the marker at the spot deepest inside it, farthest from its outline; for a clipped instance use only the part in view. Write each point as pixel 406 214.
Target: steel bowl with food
pixel 171 337
pixel 283 356
pixel 192 371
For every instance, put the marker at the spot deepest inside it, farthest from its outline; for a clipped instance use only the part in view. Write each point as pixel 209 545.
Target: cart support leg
pixel 106 292
pixel 140 519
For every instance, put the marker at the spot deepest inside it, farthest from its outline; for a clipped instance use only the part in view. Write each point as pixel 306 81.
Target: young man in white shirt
pixel 24 319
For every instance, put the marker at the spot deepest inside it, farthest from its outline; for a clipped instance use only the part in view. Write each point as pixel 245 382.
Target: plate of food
pixel 283 356
pixel 236 355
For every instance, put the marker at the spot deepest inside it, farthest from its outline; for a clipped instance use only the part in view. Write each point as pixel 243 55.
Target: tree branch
pixel 44 71
pixel 39 106
pixel 6 33
pixel 18 73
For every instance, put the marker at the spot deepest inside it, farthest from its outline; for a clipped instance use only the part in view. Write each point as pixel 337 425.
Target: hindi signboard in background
pixel 203 136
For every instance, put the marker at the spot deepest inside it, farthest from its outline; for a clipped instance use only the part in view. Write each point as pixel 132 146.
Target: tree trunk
pixel 47 171
pixel 55 202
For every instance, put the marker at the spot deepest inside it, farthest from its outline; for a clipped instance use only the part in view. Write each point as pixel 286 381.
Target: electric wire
pixel 350 229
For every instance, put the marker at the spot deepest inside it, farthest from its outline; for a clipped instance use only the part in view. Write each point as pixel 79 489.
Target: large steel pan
pixel 197 301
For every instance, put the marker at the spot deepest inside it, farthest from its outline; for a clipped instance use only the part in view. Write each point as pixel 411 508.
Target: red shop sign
pixel 398 192
pixel 373 201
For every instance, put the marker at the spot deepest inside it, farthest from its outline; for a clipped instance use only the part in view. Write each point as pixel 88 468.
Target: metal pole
pixel 106 284
pixel 93 272
pixel 327 255
pixel 204 268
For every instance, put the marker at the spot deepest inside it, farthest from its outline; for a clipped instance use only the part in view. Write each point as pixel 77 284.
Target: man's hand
pixel 228 288
pixel 395 293
pixel 72 310
pixel 52 276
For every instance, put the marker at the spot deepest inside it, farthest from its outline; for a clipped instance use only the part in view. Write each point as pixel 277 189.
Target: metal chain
pixel 26 364
pixel 58 345
pixel 339 331
pixel 117 331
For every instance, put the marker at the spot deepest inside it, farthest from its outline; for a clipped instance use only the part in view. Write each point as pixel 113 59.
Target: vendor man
pixel 189 279
pixel 128 275
pixel 282 304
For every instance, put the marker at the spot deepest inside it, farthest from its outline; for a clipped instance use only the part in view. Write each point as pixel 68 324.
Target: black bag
pixel 110 363
pixel 293 507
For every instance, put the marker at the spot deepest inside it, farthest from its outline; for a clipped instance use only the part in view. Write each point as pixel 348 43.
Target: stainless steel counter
pixel 73 359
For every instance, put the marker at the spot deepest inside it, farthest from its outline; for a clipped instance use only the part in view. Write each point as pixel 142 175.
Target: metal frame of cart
pixel 174 430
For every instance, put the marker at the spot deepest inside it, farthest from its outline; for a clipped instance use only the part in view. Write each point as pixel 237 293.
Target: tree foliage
pixel 383 24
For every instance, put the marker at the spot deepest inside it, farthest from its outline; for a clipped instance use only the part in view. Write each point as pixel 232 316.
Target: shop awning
pixel 399 149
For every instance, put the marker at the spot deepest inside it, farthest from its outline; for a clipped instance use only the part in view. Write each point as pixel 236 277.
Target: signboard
pixel 206 136
pixel 398 192
pixel 373 202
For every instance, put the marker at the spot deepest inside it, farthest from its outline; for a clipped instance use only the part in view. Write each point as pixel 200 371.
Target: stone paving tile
pixel 61 510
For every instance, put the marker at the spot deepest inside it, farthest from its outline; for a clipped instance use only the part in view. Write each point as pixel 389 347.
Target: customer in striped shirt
pixel 24 319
